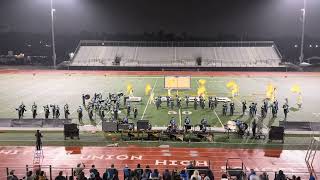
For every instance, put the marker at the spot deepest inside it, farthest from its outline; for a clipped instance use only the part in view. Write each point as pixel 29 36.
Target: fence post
pixel 7 169
pixel 50 172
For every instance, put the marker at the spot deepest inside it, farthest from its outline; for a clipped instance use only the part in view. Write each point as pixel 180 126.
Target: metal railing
pixel 52 171
pixel 178 43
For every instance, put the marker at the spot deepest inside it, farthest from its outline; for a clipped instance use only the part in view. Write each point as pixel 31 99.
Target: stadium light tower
pixel 52 35
pixel 302 33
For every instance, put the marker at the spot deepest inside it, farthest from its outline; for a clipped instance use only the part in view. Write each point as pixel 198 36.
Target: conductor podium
pixel 71 130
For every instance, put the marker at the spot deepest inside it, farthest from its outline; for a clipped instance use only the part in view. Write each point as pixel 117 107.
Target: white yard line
pixel 218 118
pixel 262 120
pixel 180 118
pixel 145 109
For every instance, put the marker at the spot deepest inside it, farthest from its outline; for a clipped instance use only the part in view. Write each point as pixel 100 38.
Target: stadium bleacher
pixel 222 54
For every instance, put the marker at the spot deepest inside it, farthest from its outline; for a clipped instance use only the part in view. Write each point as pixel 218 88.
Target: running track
pixel 270 160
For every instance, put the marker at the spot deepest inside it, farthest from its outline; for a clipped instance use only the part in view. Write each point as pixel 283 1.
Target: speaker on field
pixel 108 126
pixel 276 133
pixel 143 125
pixel 71 130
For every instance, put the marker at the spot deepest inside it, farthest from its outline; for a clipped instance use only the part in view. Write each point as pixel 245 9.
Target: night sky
pixel 262 18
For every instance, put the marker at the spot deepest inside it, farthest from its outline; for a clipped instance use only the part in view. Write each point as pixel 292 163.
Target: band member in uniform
pixel 158 103
pixel 224 109
pixel 23 109
pixel 172 127
pixel 46 111
pixel 38 140
pixel 254 127
pixel 274 111
pixel 231 108
pixel 285 110
pixel 195 104
pixel 202 104
pixel 209 102
pixel 125 120
pixel 128 109
pixel 101 112
pixel 187 123
pixel 171 104
pixel 83 100
pixel 57 112
pixel 244 107
pixel 203 125
pixel 265 106
pixel 90 113
pixel 178 102
pixel 276 105
pixel 263 112
pixel 66 111
pixel 251 110
pixel 215 102
pixel 19 112
pixel 255 108
pixel 80 114
pixel 34 110
pixel 187 101
pixel 168 100
pixel 53 110
pixel 118 103
pixel 135 112
pixel 115 113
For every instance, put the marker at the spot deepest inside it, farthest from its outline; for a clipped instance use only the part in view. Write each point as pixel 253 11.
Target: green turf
pixel 64 88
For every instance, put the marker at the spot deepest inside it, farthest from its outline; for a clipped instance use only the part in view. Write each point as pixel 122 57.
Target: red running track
pixel 270 160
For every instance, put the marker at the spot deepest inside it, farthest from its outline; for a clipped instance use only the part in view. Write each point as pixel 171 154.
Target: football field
pixel 61 87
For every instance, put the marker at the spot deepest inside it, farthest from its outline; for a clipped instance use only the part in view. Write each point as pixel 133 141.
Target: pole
pixel 302 33
pixel 52 35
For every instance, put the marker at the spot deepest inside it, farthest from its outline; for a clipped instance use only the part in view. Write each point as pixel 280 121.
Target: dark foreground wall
pixel 140 68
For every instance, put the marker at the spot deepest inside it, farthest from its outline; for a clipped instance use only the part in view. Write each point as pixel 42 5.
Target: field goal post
pixel 177 82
